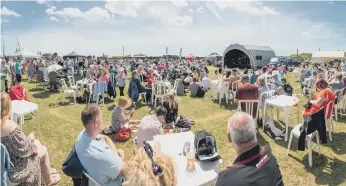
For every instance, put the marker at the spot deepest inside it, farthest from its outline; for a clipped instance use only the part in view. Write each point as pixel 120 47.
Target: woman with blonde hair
pixel 104 75
pixel 140 172
pixel 172 109
pixel 29 158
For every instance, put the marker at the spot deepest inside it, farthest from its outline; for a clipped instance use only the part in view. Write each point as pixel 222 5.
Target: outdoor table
pixel 172 145
pixel 284 102
pixel 85 83
pixel 22 107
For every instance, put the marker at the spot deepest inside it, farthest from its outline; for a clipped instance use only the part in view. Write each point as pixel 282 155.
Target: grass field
pixel 60 126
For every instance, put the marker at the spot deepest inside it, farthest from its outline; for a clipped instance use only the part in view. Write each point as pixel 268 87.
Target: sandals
pixel 55 179
pixel 53 171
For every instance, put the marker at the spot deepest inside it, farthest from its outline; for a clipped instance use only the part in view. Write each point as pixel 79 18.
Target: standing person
pixel 18 70
pixel 121 77
pixel 254 165
pixel 31 70
pixel 5 69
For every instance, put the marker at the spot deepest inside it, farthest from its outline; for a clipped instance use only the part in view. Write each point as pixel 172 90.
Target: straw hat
pixel 124 102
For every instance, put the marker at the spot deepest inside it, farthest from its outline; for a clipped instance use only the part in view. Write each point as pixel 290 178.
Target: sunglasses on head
pixel 156 168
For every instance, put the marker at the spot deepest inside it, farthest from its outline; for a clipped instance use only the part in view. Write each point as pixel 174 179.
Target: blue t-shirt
pixel 18 68
pixel 98 160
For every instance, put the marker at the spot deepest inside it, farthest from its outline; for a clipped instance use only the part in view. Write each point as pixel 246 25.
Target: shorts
pixel 18 78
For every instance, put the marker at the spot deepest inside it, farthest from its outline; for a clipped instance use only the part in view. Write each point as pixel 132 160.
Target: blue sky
pixel 199 27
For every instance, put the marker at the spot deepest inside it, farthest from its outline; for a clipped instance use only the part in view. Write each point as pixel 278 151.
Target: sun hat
pixel 124 102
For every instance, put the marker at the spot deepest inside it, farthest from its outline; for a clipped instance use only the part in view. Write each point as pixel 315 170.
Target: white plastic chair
pixel 91 181
pixel 262 97
pixel 214 89
pixel 310 83
pixel 296 132
pixel 72 83
pixel 205 83
pixel 99 90
pixel 341 102
pixel 250 108
pixel 224 91
pixel 234 89
pixel 160 92
pixel 68 91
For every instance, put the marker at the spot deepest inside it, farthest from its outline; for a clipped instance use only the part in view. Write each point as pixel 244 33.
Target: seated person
pixel 324 94
pixel 120 116
pixel 262 87
pixel 140 172
pixel 29 158
pixel 188 80
pixel 247 91
pixel 193 87
pixel 151 125
pixel 313 77
pixel 172 109
pixel 141 87
pixel 338 83
pixel 231 76
pixel 254 165
pixel 97 153
pixel 285 88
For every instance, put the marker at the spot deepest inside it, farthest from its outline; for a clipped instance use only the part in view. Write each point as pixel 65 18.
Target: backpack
pixel 183 122
pixel 205 145
pixel 200 92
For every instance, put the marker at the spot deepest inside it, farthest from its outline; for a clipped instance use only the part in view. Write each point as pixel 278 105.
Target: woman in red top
pixel 150 78
pixel 324 95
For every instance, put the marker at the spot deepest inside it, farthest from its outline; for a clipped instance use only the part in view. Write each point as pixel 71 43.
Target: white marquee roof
pixel 328 54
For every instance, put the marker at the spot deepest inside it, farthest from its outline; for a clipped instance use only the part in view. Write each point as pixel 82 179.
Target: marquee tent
pixel 73 55
pixel 320 56
pixel 25 54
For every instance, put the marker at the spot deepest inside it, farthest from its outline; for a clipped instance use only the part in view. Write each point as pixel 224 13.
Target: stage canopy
pixel 247 56
pixel 73 55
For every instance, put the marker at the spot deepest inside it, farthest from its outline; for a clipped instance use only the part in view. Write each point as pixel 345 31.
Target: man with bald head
pixel 254 165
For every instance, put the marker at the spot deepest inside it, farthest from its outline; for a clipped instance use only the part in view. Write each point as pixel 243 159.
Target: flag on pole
pixel 17 45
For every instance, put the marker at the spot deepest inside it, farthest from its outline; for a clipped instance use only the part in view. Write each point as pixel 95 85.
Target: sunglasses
pixel 156 168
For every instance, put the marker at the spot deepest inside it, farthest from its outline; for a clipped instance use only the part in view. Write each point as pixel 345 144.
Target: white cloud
pixel 6 12
pixel 169 16
pixel 331 2
pixel 41 1
pixel 191 10
pixel 93 14
pixel 4 20
pixel 250 7
pixel 164 25
pixel 211 7
pixel 124 8
pixel 180 3
pixel 182 20
pixel 52 18
pixel 200 9
pixel 306 34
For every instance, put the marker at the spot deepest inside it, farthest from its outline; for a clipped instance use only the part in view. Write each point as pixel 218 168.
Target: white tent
pixel 319 56
pixel 26 54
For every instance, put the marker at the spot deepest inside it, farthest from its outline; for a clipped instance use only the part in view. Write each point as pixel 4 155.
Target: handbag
pixel 183 122
pixel 307 105
pixel 123 134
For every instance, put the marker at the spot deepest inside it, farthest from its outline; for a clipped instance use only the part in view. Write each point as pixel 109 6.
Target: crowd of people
pixel 106 164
